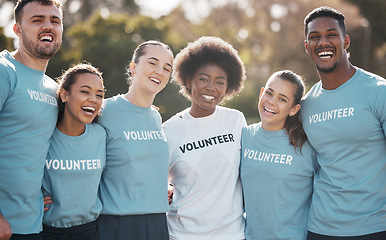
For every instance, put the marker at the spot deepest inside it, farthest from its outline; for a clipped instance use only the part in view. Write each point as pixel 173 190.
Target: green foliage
pixel 108 42
pixel 5 42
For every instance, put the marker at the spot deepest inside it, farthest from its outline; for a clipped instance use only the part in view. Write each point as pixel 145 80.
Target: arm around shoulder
pixel 5 228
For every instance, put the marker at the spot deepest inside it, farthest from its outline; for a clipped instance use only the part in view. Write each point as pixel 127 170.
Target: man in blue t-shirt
pixel 344 116
pixel 28 113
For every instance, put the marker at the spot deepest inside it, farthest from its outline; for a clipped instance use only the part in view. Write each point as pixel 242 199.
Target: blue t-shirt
pixel 347 128
pixel 72 174
pixel 135 180
pixel 277 184
pixel 28 114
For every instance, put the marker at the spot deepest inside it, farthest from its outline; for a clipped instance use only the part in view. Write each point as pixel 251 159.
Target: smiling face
pixel 208 88
pixel 84 101
pixel 40 30
pixel 276 103
pixel 326 44
pixel 152 72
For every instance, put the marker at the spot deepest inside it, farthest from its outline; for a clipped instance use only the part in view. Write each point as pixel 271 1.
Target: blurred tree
pixel 370 36
pixel 5 42
pixel 108 43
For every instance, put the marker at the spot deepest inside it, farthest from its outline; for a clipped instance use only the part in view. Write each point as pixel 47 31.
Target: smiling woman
pixel 137 153
pixel 77 154
pixel 204 143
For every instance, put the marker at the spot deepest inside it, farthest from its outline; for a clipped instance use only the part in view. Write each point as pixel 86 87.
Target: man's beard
pixel 38 51
pixel 327 69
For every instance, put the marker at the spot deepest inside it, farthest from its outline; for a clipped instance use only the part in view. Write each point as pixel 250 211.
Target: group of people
pixel 76 166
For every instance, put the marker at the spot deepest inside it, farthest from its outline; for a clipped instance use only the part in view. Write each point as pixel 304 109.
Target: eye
pixel 268 93
pixel 282 99
pixel 100 96
pixel 152 63
pixel 313 37
pixel 220 83
pixel 84 91
pixel 203 79
pixel 167 69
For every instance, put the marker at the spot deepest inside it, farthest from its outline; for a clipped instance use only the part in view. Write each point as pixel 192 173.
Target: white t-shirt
pixel 204 169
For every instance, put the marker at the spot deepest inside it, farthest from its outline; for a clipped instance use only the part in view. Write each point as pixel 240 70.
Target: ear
pixel 17 29
pixel 189 83
pixel 305 46
pixel 346 42
pixel 132 67
pixel 261 92
pixel 63 94
pixel 295 109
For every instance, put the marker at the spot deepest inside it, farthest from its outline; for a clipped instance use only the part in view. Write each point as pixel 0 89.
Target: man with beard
pixel 344 116
pixel 28 113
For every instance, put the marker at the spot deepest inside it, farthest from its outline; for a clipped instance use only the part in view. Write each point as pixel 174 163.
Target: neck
pixel 336 78
pixel 30 61
pixel 139 99
pixel 71 128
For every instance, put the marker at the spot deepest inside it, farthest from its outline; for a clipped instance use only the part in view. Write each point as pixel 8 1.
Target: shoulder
pixel 230 113
pixel 176 119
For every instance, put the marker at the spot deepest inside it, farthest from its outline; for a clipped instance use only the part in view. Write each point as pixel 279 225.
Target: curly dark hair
pixel 206 50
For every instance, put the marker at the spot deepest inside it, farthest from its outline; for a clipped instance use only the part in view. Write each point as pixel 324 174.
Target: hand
pixel 47 201
pixel 5 229
pixel 170 193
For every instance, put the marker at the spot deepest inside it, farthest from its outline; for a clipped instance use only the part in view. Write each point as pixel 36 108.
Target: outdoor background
pixel 268 35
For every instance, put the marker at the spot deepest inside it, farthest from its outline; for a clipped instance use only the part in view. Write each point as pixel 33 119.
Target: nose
pixel 159 70
pixel 47 25
pixel 323 40
pixel 210 85
pixel 93 98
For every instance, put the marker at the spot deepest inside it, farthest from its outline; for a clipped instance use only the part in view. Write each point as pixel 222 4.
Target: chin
pixel 326 69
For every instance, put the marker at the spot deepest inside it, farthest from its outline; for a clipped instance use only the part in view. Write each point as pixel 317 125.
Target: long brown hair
pixel 293 124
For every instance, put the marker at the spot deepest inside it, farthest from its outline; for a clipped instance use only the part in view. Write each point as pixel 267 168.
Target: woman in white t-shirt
pixel 204 144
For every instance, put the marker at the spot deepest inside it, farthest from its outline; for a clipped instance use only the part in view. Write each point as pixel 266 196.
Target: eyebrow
pixel 43 16
pixel 279 93
pixel 86 86
pixel 156 59
pixel 220 77
pixel 328 30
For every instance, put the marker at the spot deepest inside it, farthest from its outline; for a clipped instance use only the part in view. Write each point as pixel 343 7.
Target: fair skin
pixel 276 103
pixel 40 36
pixel 40 32
pixel 150 75
pixel 208 88
pixel 327 46
pixel 83 103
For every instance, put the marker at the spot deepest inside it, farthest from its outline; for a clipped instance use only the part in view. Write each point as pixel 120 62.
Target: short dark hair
pixel 17 11
pixel 209 50
pixel 325 12
pixel 69 77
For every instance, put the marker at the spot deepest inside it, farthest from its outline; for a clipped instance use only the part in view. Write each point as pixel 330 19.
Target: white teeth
pixel 269 110
pixel 326 54
pixel 155 80
pixel 46 38
pixel 207 97
pixel 88 109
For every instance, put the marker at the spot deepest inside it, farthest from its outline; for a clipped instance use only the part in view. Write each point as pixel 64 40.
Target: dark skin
pixel 327 46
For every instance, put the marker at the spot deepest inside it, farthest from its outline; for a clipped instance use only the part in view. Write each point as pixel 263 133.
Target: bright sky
pixel 157 8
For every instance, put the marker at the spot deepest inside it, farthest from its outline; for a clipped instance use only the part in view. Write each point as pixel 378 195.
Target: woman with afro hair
pixel 205 142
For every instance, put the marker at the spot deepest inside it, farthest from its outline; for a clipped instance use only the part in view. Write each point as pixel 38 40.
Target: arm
pixel 47 201
pixel 5 228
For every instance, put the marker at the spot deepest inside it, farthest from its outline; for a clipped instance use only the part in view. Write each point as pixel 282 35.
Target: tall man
pixel 28 113
pixel 344 116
